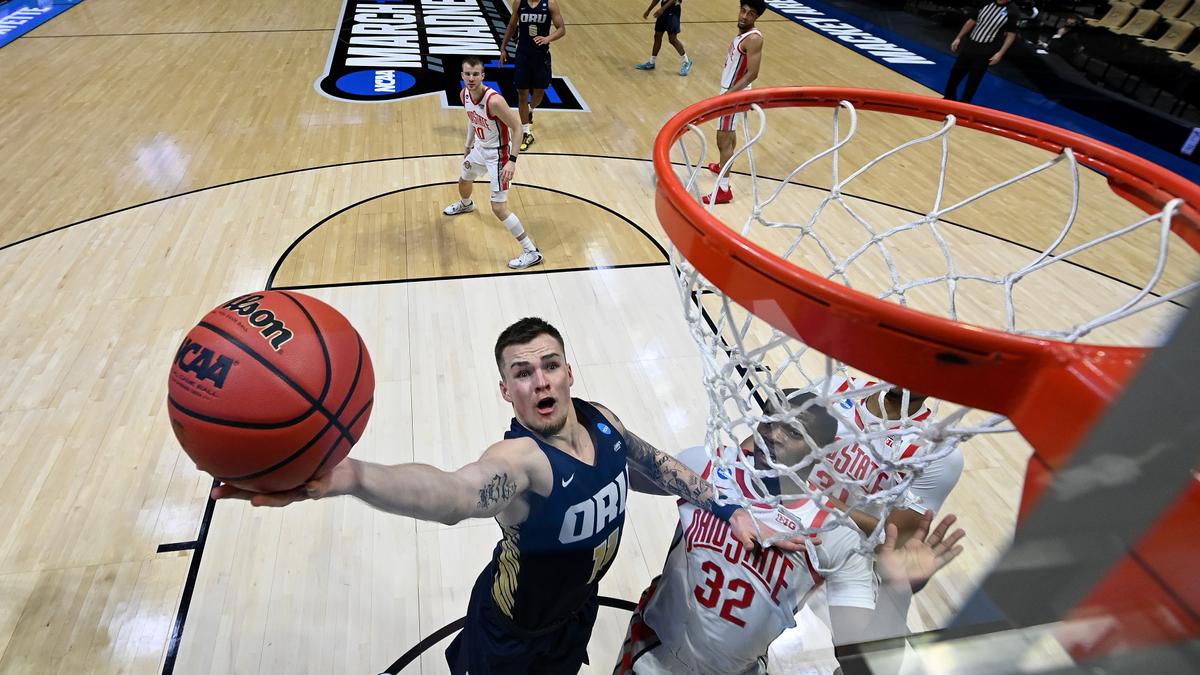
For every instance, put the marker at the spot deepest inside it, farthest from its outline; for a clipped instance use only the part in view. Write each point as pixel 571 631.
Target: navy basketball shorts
pixel 532 70
pixel 487 647
pixel 667 22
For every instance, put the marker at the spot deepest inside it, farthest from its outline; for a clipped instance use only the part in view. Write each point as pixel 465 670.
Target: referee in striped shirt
pixel 983 47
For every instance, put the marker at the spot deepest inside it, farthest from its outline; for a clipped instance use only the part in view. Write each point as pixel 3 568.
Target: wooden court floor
pixel 157 158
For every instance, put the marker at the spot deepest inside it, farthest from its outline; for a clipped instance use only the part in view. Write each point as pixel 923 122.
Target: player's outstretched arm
pixel 481 489
pixel 903 569
pixel 674 477
pixel 911 564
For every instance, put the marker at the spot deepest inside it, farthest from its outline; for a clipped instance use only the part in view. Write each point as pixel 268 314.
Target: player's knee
pixel 501 210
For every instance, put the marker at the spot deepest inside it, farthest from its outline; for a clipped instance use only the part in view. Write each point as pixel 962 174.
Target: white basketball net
pixel 747 363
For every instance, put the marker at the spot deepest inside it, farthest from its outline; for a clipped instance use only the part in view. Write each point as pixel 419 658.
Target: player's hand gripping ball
pixel 269 390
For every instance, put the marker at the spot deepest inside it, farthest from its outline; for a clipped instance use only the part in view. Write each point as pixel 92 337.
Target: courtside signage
pixel 852 36
pixel 21 16
pixel 396 49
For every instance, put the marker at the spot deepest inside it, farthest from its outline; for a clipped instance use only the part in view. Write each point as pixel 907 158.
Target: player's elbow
pixel 453 515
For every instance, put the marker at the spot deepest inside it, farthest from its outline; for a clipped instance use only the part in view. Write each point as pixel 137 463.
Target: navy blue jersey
pixel 549 566
pixel 532 22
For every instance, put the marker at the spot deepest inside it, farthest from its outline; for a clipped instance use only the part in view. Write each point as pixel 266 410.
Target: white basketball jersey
pixel 863 475
pixel 720 606
pixel 735 60
pixel 489 131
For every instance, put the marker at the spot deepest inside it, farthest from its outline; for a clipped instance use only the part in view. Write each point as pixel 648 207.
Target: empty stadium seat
pixel 1192 15
pixel 1173 9
pixel 1118 13
pixel 1192 57
pixel 1143 21
pixel 1177 33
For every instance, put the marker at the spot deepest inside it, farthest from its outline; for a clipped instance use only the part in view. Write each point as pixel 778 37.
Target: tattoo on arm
pixel 669 473
pixel 499 489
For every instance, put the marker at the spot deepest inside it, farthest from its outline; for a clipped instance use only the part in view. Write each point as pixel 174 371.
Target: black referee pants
pixel 971 64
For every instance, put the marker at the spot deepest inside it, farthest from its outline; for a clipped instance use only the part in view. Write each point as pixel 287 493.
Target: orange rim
pixel 989 369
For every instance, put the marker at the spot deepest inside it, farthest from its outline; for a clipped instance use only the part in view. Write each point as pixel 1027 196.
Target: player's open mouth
pixel 545 406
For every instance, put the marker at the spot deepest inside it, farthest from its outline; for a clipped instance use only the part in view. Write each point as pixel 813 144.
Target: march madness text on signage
pixel 390 50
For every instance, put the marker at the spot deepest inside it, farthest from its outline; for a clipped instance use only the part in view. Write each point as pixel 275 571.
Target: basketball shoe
pixel 528 139
pixel 458 207
pixel 724 196
pixel 685 68
pixel 526 259
pixel 649 65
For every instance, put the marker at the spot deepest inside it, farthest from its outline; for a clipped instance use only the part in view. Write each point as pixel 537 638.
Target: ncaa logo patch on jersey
pixel 724 473
pixel 846 404
pixel 604 428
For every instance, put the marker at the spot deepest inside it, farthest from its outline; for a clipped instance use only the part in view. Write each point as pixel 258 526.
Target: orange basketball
pixel 270 389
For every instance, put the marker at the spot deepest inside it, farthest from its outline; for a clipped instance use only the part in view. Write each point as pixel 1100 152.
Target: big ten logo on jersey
pixel 725 583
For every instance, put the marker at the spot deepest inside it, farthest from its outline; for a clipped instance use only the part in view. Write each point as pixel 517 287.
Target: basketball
pixel 269 390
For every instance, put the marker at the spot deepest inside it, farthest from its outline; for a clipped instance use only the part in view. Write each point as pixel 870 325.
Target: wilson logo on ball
pixel 203 362
pixel 247 306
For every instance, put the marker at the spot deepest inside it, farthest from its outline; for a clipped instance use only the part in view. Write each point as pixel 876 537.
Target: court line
pixel 456 277
pixel 326 30
pixel 447 630
pixel 199 543
pixel 4 42
pixel 553 154
pixel 189 586
pixel 296 242
pixel 182 32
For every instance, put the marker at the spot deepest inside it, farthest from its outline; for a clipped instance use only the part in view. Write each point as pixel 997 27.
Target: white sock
pixel 465 201
pixel 525 127
pixel 652 58
pixel 685 58
pixel 724 183
pixel 527 245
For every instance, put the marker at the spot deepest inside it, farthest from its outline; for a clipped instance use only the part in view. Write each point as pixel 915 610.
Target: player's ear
pixel 504 391
pixel 570 376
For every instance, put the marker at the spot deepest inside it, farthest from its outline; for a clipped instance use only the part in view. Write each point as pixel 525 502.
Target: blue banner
pixel 18 17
